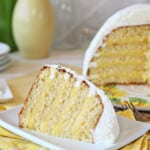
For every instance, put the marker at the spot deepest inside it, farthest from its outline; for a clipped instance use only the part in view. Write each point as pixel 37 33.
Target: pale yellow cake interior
pixel 57 106
pixel 124 58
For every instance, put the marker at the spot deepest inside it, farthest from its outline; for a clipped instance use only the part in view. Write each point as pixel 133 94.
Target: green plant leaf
pixel 115 100
pixel 6 12
pixel 137 99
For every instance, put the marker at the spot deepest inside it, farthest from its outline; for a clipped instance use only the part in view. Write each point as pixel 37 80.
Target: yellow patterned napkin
pixel 20 87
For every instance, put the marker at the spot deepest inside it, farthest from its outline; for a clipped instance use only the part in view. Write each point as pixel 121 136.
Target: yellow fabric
pixel 7 143
pixel 20 87
pixel 127 113
pixel 2 107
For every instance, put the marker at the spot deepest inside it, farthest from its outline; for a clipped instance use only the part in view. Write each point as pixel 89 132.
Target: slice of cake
pixel 119 53
pixel 63 104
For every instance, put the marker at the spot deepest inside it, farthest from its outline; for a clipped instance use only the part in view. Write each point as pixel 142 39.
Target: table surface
pixel 20 66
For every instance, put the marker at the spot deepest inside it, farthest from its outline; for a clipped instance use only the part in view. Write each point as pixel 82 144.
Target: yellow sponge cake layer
pixel 122 60
pixel 63 105
pixel 124 35
pixel 119 53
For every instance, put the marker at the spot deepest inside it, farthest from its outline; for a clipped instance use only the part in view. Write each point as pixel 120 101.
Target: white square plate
pixel 130 130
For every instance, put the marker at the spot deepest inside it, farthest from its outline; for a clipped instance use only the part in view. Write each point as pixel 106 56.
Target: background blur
pixel 77 21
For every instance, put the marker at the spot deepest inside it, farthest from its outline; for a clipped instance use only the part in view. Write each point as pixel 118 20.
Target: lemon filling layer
pixel 70 111
pixel 124 59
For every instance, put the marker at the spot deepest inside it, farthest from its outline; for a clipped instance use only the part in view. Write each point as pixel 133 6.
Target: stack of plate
pixel 4 56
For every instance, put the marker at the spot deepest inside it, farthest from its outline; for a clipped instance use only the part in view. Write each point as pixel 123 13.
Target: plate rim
pixel 6 65
pixel 5 48
pixel 25 134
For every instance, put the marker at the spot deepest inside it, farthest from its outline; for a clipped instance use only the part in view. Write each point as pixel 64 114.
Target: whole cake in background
pixel 119 53
pixel 63 104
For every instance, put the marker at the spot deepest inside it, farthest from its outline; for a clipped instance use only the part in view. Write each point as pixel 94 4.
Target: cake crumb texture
pixel 124 58
pixel 59 105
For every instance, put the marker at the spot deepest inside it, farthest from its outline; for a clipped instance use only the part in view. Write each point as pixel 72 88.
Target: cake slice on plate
pixel 61 103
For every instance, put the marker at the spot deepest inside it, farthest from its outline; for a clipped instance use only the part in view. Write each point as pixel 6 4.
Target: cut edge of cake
pixel 107 129
pixel 137 14
pixel 114 53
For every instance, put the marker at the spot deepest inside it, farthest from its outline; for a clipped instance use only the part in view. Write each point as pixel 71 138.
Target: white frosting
pixel 134 15
pixel 66 76
pixel 77 83
pixel 92 92
pixel 107 129
pixel 52 75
